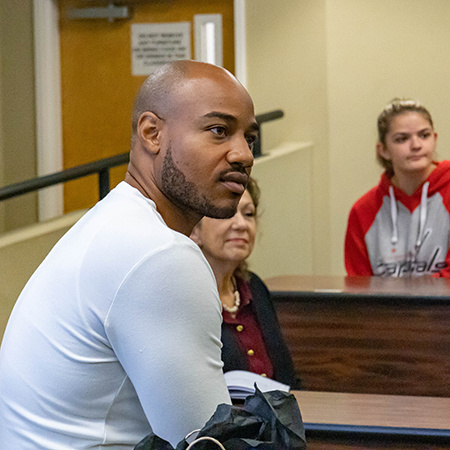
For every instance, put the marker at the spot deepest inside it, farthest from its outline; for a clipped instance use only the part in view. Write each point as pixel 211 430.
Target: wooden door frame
pixel 48 94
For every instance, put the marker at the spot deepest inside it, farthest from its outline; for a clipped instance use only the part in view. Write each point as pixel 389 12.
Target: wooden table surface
pixel 367 334
pixel 410 287
pixel 374 410
pixel 342 421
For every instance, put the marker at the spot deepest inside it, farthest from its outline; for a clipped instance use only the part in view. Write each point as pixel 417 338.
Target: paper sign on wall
pixel 154 44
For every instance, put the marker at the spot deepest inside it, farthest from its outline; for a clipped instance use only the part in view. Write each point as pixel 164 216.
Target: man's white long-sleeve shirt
pixel 117 330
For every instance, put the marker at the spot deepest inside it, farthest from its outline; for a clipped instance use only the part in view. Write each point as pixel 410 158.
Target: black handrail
pixel 100 167
pixel 261 118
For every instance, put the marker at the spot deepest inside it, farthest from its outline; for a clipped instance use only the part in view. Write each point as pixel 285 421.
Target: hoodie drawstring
pixel 394 237
pixel 422 215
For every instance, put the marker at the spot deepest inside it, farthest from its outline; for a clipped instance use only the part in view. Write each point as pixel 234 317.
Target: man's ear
pixel 381 151
pixel 149 131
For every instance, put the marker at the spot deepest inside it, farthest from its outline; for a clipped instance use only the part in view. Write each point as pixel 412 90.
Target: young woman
pixel 401 226
pixel 251 335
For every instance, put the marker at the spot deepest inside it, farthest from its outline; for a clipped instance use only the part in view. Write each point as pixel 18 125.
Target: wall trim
pixel 48 104
pixel 240 42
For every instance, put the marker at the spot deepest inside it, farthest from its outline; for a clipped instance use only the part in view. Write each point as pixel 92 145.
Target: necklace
pixel 237 302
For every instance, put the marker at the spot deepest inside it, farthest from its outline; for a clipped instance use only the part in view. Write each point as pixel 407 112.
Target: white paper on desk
pixel 241 384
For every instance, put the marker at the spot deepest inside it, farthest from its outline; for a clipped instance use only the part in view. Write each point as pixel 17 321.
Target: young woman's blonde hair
pixel 394 108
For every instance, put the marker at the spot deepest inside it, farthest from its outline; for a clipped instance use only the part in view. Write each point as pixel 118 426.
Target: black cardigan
pixel 235 358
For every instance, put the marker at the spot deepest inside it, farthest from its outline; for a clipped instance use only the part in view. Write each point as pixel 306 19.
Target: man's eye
pixel 219 131
pixel 251 140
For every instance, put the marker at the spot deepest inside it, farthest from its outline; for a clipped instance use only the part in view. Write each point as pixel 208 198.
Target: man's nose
pixel 241 153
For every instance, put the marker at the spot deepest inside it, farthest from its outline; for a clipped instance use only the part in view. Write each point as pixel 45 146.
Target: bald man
pixel 118 330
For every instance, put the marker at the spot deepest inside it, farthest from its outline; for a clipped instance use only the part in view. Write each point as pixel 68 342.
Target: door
pixel 98 87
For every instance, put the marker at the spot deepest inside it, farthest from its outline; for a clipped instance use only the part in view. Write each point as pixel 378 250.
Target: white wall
pixel 283 245
pixel 286 57
pixel 17 144
pixel 377 50
pixel 332 65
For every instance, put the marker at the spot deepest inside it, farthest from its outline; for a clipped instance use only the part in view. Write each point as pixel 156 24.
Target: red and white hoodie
pixel 390 233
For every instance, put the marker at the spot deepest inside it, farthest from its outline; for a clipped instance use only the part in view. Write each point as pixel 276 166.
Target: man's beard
pixel 186 194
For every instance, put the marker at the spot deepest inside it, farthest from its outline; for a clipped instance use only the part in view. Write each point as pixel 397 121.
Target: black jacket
pixel 235 358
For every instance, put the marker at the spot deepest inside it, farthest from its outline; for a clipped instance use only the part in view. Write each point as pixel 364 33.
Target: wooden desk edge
pixel 411 415
pixel 436 288
pixel 376 430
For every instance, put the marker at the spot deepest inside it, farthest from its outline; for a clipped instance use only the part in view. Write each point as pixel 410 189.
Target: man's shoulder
pixel 124 228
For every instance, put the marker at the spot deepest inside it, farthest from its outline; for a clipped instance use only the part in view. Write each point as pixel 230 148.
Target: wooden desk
pixel 341 420
pixel 367 334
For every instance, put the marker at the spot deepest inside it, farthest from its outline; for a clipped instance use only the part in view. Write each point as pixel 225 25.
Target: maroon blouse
pixel 247 332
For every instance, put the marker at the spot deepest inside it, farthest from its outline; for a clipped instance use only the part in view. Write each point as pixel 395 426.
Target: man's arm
pixel 165 327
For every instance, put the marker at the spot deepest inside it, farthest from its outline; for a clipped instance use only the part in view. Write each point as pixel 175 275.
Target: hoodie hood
pixel 438 179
